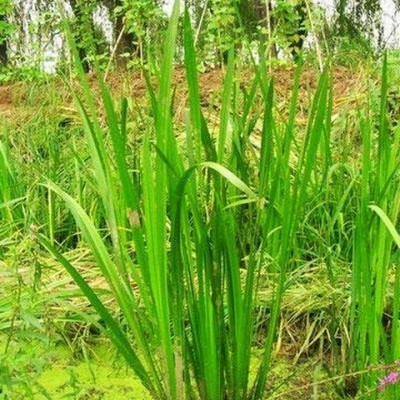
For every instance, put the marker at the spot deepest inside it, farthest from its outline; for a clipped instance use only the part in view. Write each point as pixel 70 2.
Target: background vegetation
pixel 129 33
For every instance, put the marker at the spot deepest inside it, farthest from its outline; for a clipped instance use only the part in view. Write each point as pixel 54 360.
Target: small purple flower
pixel 388 380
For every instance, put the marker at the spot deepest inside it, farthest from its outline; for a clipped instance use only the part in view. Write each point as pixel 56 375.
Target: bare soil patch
pixel 348 86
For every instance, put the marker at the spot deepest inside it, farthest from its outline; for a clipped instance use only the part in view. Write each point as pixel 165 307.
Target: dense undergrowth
pixel 202 250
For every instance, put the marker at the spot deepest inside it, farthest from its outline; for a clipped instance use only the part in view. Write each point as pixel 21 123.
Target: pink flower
pixel 388 380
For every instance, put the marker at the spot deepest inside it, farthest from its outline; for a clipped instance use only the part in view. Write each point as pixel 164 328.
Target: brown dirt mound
pixel 347 86
pixel 345 81
pixel 6 98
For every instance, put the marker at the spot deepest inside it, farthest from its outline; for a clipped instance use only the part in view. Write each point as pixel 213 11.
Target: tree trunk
pixel 3 42
pixel 3 45
pixel 3 53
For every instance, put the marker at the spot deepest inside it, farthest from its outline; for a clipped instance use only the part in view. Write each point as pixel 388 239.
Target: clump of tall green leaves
pixel 193 228
pixel 373 261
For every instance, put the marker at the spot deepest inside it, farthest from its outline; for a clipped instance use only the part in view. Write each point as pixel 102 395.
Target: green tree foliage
pixel 356 21
pixel 231 23
pixel 85 31
pixel 138 27
pixel 252 16
pixel 224 29
pixel 291 25
pixel 126 40
pixel 142 23
pixel 223 23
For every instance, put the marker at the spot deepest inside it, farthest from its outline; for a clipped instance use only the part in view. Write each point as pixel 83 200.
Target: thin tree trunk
pixel 3 53
pixel 3 45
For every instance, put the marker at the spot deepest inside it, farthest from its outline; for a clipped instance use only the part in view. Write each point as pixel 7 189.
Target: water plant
pixel 184 277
